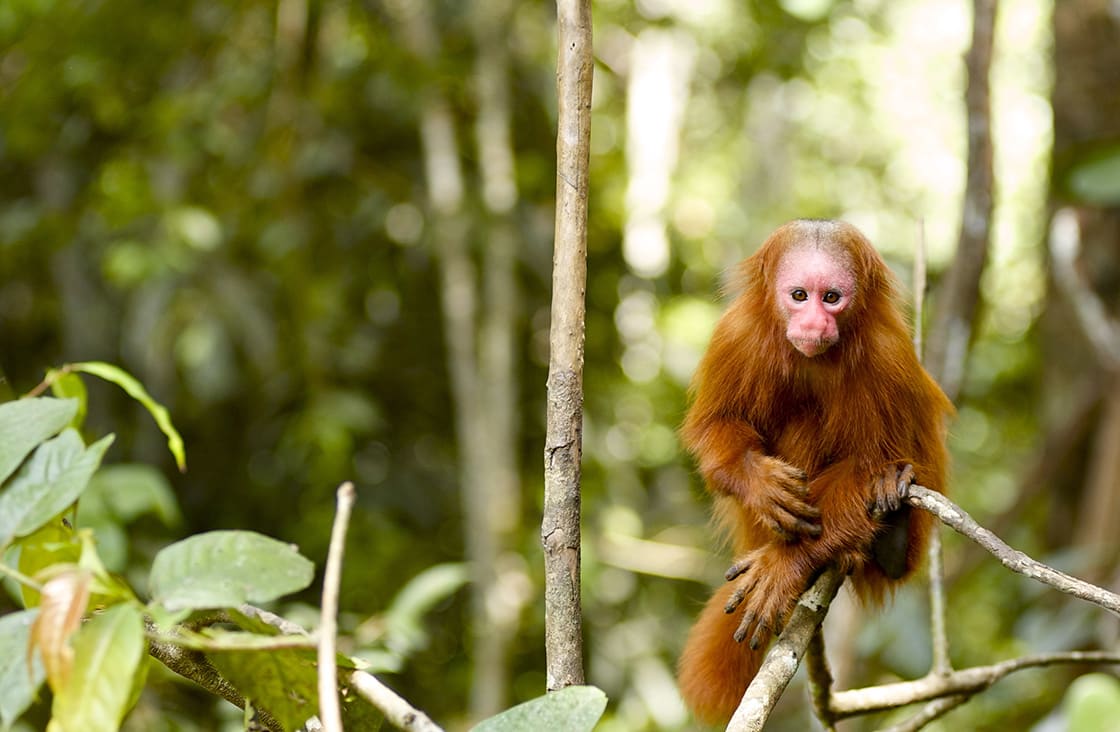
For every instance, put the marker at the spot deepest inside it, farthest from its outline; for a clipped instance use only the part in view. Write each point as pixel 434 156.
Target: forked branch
pixel 944 691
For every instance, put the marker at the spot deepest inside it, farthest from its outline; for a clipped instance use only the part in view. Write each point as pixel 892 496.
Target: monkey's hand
pixel 888 488
pixel 776 497
pixel 768 582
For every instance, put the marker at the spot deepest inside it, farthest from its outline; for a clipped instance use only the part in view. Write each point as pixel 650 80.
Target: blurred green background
pixel 320 232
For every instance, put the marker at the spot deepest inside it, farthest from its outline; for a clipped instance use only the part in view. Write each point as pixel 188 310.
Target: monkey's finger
pixel 795 508
pixel 737 569
pixel 744 626
pixel 906 479
pixel 796 482
pixel 792 528
pixel 759 636
pixel 735 600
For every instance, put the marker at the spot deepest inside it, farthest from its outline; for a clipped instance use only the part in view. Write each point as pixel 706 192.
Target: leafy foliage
pixel 88 636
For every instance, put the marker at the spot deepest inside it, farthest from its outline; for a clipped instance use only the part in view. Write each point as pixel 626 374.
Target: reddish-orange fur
pixel 848 419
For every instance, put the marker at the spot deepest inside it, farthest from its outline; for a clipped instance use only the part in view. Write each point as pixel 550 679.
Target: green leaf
pixel 132 490
pixel 27 422
pixel 404 617
pixel 1092 703
pixel 573 709
pixel 282 682
pixel 18 683
pixel 107 655
pixel 51 480
pixel 226 569
pixel 136 390
pixel 52 543
pixel 1097 180
pixel 70 386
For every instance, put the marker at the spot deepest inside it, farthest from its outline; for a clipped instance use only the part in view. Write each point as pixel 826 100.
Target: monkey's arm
pixel 772 493
pixel 769 579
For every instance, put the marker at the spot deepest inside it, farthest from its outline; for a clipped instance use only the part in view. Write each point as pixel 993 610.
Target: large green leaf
pixel 129 491
pixel 107 655
pixel 52 479
pixel 226 569
pixel 573 709
pixel 27 422
pixel 285 683
pixel 18 682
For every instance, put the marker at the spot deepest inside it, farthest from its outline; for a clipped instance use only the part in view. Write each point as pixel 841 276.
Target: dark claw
pixel 905 480
pixel 759 634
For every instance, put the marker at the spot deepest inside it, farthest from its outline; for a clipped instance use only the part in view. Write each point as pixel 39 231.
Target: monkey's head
pixel 816 273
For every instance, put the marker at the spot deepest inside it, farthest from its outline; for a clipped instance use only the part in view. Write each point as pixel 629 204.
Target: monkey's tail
pixel 714 670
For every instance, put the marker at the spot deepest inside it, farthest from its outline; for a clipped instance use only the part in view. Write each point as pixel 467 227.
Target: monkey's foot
pixel 768 582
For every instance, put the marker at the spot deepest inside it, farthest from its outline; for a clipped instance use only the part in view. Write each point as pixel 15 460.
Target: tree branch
pixel 965 682
pixel 956 518
pixel 560 526
pixel 330 714
pixel 784 656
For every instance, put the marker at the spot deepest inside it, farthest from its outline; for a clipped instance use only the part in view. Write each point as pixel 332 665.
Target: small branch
pixel 1065 248
pixel 397 711
pixel 329 712
pixel 935 709
pixel 966 683
pixel 939 632
pixel 786 653
pixel 1015 560
pixel 939 635
pixel 820 681
pixel 193 665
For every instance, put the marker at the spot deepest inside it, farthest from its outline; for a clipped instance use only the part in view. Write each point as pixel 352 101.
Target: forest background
pixel 320 232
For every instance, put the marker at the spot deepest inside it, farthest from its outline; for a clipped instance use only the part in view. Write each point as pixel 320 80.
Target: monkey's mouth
pixel 810 347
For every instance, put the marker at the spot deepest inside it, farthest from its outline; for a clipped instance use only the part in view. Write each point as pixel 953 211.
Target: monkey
pixel 808 413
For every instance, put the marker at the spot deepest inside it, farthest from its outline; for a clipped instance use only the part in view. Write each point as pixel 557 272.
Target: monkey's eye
pixel 799 295
pixel 832 297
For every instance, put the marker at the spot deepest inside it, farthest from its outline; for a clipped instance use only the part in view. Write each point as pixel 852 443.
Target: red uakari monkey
pixel 808 411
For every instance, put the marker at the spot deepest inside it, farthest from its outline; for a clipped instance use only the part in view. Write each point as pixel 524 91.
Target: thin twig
pixel 1099 327
pixel 820 680
pixel 939 626
pixel 955 517
pixel 397 711
pixel 968 682
pixel 329 712
pixel 935 709
pixel 939 634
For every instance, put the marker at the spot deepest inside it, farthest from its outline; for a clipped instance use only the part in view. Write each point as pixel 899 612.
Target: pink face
pixel 814 287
